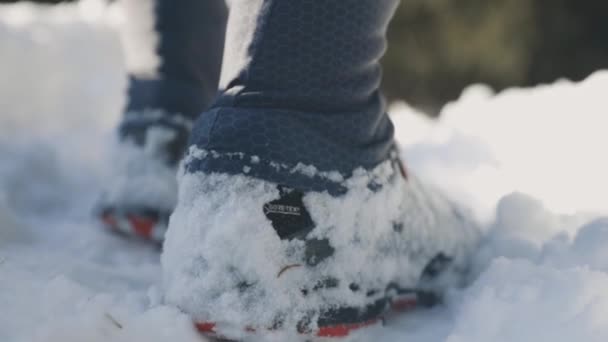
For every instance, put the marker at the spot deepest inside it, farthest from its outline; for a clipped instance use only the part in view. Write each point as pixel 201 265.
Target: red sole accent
pixel 206 327
pixel 404 305
pixel 141 226
pixel 343 330
pixel 333 331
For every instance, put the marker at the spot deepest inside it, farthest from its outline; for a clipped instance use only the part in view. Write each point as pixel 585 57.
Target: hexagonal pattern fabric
pixel 300 85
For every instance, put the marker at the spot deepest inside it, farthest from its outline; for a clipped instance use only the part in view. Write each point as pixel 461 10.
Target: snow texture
pixel 530 162
pixel 140 176
pixel 219 239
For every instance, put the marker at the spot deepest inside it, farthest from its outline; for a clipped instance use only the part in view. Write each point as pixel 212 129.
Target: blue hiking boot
pixel 246 256
pixel 295 215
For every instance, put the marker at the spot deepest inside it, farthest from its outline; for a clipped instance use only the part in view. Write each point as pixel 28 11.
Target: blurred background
pixel 438 47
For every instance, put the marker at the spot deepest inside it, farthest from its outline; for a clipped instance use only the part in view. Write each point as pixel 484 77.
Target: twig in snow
pixel 113 320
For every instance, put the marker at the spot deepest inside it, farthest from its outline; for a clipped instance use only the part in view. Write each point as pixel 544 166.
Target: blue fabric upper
pixel 299 85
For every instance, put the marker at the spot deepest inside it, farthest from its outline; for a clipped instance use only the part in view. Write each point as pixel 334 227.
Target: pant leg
pixel 299 86
pixel 191 41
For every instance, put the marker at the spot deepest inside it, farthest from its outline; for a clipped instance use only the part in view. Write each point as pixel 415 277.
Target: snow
pixel 530 162
pixel 218 226
pixel 138 175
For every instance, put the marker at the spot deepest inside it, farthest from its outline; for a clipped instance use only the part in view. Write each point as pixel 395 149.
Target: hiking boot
pixel 142 192
pixel 246 256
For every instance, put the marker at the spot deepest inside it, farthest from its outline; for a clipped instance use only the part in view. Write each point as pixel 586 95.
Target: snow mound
pixel 530 162
pixel 546 142
pixel 139 175
pixel 521 301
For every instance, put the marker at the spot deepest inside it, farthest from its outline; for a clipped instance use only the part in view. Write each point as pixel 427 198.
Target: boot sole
pixel 328 330
pixel 143 226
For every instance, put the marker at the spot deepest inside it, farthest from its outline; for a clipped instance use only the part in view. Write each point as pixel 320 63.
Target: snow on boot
pixel 142 190
pixel 246 256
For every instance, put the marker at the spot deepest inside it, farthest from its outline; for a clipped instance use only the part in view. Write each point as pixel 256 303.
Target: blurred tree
pixel 437 47
pixel 573 39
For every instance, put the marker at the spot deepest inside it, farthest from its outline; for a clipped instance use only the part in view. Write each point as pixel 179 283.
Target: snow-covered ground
pixel 530 162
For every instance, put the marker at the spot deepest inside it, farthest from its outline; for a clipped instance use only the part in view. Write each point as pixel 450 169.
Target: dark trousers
pixel 191 41
pixel 299 87
pixel 299 84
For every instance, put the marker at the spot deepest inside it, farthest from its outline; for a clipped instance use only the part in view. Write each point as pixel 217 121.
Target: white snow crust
pixel 219 239
pixel 140 175
pixel 530 162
